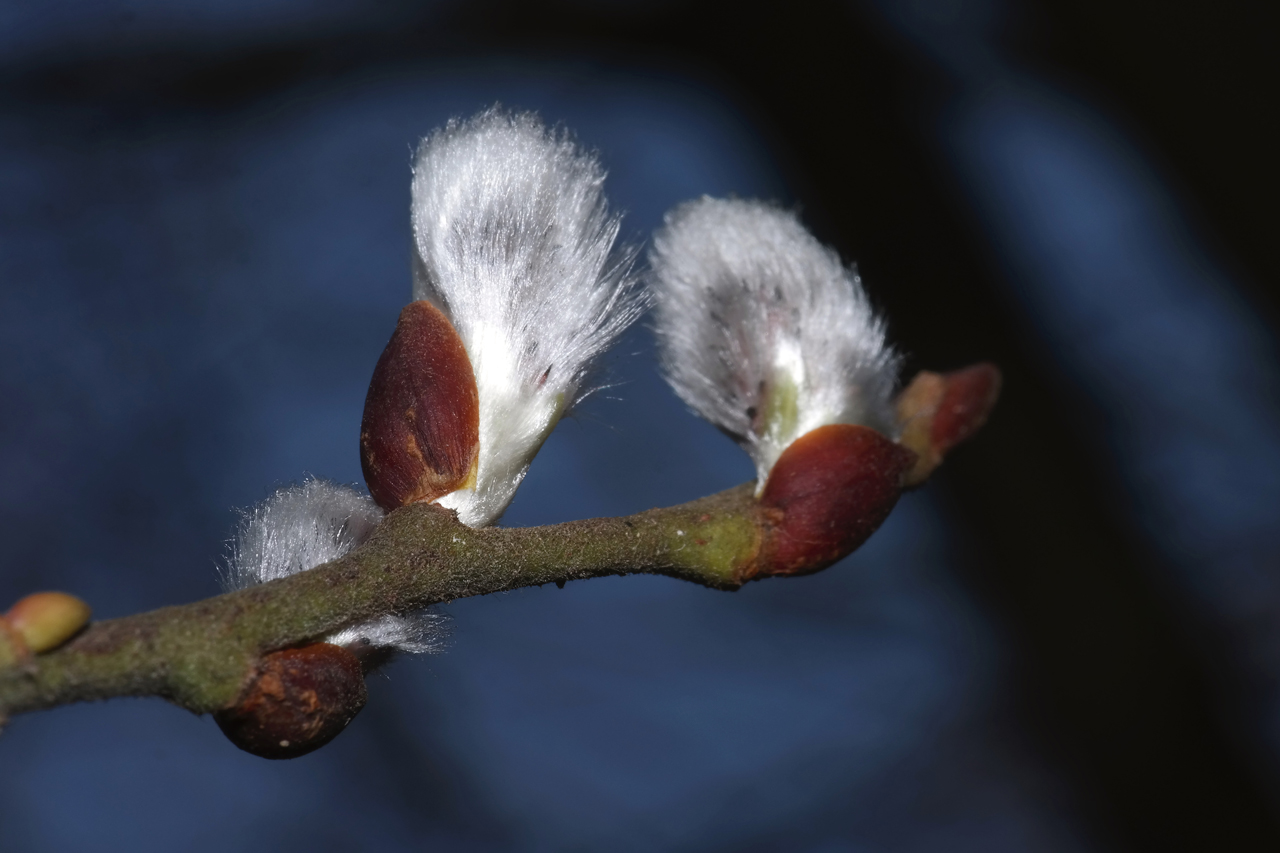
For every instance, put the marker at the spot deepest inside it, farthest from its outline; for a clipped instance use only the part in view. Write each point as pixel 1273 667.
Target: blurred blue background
pixel 1068 641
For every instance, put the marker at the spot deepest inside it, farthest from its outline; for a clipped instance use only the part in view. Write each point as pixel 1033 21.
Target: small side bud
pixel 420 436
pixel 828 492
pixel 937 411
pixel 45 620
pixel 297 701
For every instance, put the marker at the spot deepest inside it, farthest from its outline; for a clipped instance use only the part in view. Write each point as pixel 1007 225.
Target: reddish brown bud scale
pixel 938 411
pixel 967 402
pixel 826 494
pixel 420 436
pixel 298 700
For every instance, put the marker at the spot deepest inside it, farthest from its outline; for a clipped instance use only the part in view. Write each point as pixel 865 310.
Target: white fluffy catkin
pixel 304 526
pixel 762 330
pixel 515 245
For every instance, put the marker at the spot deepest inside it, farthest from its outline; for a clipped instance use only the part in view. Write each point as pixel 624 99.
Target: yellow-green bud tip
pixel 46 620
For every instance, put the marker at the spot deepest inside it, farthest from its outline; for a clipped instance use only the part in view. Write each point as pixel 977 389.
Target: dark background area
pixel 1069 640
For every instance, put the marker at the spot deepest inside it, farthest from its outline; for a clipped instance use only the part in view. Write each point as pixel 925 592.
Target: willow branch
pixel 199 655
pixel 826 494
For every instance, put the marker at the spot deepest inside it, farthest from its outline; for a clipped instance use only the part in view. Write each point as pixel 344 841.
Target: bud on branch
pixel 518 290
pixel 202 656
pixel 297 701
pixel 420 437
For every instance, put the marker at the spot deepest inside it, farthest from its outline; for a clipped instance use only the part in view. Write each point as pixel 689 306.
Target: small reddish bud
pixel 420 436
pixel 46 620
pixel 827 493
pixel 298 700
pixel 937 411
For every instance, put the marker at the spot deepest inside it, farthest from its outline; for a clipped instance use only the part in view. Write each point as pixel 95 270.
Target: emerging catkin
pixel 762 330
pixel 515 244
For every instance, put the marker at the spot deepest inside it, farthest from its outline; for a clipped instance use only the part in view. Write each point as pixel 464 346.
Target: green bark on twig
pixel 199 655
pixel 836 485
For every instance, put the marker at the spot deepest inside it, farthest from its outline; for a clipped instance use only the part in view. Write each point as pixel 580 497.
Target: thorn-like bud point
pixel 297 701
pixel 420 437
pixel 829 491
pixel 45 620
pixel 937 411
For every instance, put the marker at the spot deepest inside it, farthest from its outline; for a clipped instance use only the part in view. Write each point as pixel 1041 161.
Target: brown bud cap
pixel 829 491
pixel 937 411
pixel 420 437
pixel 297 701
pixel 46 620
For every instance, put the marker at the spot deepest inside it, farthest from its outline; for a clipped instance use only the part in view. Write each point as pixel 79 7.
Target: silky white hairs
pixel 514 243
pixel 304 526
pixel 762 330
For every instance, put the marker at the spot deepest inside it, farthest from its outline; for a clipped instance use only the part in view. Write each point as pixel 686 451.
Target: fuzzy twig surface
pixel 199 655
